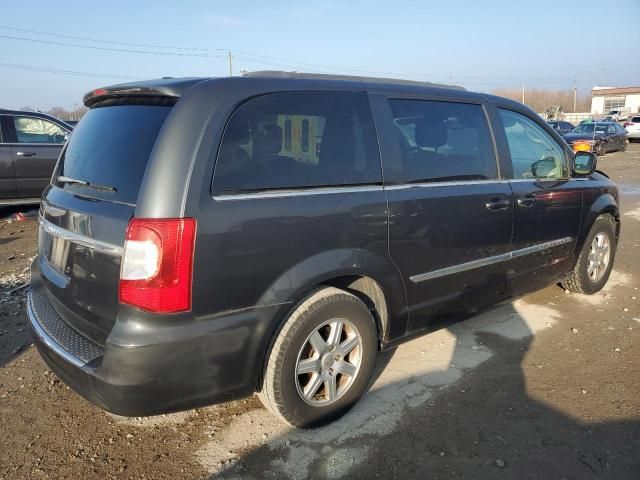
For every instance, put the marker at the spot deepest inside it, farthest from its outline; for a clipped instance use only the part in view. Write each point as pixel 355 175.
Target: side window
pixel 37 130
pixel 297 140
pixel 443 141
pixel 534 153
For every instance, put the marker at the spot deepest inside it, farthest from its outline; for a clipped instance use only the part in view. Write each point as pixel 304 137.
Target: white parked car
pixel 633 128
pixel 617 114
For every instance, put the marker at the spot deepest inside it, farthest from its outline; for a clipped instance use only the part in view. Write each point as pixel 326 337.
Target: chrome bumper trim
pixel 79 239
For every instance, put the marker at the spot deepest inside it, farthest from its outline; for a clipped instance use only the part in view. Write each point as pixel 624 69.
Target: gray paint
pixel 256 255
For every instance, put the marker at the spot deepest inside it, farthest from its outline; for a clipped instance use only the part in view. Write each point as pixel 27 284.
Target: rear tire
pixel 322 359
pixel 594 264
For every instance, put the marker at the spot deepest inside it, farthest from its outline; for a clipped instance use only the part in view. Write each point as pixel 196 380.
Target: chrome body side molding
pixel 483 262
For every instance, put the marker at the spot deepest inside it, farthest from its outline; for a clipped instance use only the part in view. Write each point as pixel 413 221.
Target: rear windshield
pixel 635 119
pixel 110 148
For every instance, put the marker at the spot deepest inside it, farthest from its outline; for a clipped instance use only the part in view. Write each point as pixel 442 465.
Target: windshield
pixel 111 147
pixel 589 127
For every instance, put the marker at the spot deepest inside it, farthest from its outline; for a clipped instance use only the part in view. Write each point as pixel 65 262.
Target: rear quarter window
pixel 298 140
pixel 111 147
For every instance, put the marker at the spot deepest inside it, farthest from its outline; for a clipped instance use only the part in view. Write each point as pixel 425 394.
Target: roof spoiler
pixel 124 91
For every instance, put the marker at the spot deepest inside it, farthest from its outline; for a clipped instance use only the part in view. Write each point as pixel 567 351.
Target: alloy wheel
pixel 599 255
pixel 328 362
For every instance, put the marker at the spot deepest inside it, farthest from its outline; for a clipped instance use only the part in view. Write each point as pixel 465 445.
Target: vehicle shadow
pixel 15 336
pixel 452 403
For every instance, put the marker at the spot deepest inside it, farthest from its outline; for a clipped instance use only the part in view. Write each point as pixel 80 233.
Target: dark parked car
pixel 203 239
pixel 601 137
pixel 30 143
pixel 561 127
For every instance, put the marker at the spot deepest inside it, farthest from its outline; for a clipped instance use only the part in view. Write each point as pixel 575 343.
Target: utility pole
pixel 523 91
pixel 230 64
pixel 575 93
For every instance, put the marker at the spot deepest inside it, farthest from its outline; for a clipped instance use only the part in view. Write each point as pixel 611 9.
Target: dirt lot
pixel 546 387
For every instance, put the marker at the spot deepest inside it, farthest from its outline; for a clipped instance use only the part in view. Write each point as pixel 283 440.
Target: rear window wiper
pixel 75 181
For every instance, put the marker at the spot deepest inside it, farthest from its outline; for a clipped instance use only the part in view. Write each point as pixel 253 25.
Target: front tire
pixel 595 262
pixel 602 149
pixel 321 361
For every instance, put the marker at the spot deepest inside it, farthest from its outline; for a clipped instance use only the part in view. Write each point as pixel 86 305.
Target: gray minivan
pixel 204 239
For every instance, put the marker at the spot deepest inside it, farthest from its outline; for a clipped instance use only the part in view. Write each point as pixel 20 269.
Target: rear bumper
pixel 633 135
pixel 147 369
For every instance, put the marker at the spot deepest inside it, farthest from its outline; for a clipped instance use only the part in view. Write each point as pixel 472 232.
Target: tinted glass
pixel 635 119
pixel 37 130
pixel 333 142
pixel 599 127
pixel 534 153
pixel 111 147
pixel 443 141
pixel 287 135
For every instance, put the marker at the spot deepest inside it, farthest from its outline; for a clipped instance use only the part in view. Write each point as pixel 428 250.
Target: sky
pixel 482 45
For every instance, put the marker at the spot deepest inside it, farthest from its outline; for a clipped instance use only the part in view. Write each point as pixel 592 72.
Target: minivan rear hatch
pixel 86 210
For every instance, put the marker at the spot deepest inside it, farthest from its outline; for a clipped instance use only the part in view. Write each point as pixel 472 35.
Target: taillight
pixel 157 264
pixel 626 124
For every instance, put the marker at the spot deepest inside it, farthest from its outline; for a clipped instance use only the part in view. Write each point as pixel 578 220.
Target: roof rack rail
pixel 352 78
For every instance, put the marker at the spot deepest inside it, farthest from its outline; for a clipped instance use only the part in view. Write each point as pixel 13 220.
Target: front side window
pixel 443 141
pixel 298 140
pixel 534 153
pixel 37 130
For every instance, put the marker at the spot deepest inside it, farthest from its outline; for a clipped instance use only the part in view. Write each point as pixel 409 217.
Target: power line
pixel 14 66
pixel 258 59
pixel 112 42
pixel 281 62
pixel 92 47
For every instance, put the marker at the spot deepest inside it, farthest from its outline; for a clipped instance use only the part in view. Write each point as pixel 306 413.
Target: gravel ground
pixel 542 388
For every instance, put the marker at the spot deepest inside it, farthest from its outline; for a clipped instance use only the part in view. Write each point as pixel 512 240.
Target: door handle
pixel 495 205
pixel 26 154
pixel 526 202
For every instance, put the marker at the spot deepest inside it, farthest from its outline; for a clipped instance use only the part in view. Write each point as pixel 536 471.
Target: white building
pixel 604 99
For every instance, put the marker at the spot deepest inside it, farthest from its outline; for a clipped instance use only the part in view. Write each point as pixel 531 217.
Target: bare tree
pixel 64 114
pixel 542 100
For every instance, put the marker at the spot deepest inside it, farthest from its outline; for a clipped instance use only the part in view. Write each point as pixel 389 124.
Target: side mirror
pixel 584 164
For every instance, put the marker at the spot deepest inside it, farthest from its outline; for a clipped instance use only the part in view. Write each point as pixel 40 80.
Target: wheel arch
pixel 370 277
pixel 371 294
pixel 605 204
